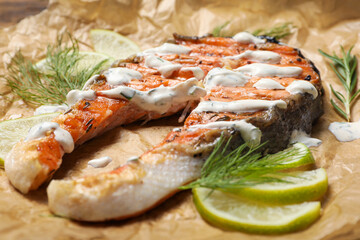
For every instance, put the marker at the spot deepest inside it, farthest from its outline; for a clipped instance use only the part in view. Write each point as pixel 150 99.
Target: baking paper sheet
pixel 322 25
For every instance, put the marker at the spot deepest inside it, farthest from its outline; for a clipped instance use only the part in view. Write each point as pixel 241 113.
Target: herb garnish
pixel 345 70
pixel 242 167
pixel 278 31
pixel 40 87
pixel 218 31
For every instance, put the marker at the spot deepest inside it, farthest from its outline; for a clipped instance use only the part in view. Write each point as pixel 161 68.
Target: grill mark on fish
pixel 87 104
pixel 92 119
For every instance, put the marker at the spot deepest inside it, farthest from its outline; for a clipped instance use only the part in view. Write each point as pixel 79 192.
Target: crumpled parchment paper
pixel 323 24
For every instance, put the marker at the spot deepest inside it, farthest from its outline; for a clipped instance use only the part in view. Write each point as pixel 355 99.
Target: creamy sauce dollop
pixel 50 109
pixel 165 67
pixel 119 75
pixel 62 136
pixel 168 48
pixel 239 106
pixel 159 99
pixel 268 83
pixel 250 134
pixel 258 56
pixel 75 96
pixel 197 72
pixel 246 38
pixel 345 131
pixel 100 162
pixel 266 70
pixel 302 86
pixel 224 77
pixel 303 137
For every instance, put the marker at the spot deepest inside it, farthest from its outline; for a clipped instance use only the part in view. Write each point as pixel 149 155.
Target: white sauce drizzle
pixel 134 158
pixel 166 68
pixel 63 137
pixel 76 95
pixel 168 48
pixel 50 109
pixel 197 72
pixel 303 137
pixel 268 83
pixel 100 162
pixel 302 86
pixel 265 70
pixel 239 106
pixel 224 77
pixel 345 131
pixel 250 133
pixel 90 82
pixel 258 56
pixel 119 75
pixel 159 99
pixel 246 38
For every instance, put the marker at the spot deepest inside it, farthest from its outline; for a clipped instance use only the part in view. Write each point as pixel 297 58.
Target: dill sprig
pixel 278 31
pixel 218 31
pixel 242 167
pixel 50 85
pixel 345 70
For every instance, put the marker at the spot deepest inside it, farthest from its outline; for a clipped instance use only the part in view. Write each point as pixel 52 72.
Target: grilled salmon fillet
pixel 253 88
pixel 256 90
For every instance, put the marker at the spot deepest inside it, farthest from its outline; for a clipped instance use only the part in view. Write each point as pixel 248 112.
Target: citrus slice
pixel 87 60
pixel 297 187
pixel 231 212
pixel 91 59
pixel 113 44
pixel 296 156
pixel 11 131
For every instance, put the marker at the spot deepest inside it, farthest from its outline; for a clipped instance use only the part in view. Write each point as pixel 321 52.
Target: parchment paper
pixel 322 24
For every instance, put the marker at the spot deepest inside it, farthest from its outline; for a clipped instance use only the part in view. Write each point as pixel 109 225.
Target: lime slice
pixel 296 156
pixel 11 131
pixel 230 212
pixel 113 44
pixel 88 60
pixel 300 187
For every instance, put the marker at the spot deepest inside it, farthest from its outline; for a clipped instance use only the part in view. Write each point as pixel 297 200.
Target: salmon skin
pixel 252 88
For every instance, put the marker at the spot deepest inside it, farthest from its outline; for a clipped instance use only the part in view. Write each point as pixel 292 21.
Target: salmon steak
pixel 253 89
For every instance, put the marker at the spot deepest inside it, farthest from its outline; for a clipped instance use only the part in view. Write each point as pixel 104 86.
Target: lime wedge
pixel 231 212
pixel 11 131
pixel 297 187
pixel 87 60
pixel 113 44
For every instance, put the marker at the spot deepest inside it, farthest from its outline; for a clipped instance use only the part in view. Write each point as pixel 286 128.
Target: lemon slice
pixel 11 131
pixel 113 44
pixel 231 212
pixel 300 187
pixel 87 60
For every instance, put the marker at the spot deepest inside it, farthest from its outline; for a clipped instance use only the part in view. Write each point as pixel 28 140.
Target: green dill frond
pixel 242 167
pixel 278 31
pixel 39 87
pixel 219 30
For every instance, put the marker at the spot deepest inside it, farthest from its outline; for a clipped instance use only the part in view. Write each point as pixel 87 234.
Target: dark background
pixel 12 11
